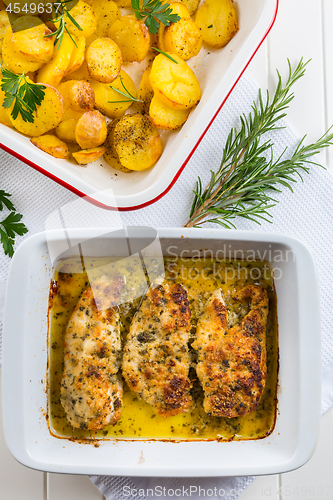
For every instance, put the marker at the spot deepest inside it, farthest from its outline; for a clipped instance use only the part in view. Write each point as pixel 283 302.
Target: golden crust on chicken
pixel 232 363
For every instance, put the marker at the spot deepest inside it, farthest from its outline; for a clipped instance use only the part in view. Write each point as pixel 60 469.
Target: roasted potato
pixel 174 84
pixel 49 114
pixel 91 130
pixel 89 155
pixel 31 39
pixel 183 38
pixel 13 60
pixel 132 37
pixel 107 99
pixel 55 70
pixel 51 145
pixel 77 56
pixel 107 13
pixel 165 117
pixel 217 21
pixel 4 23
pixel 81 73
pixel 135 142
pixel 110 155
pixel 177 8
pixel 81 95
pixel 66 130
pixel 145 92
pixel 123 3
pixel 191 5
pixel 84 15
pixel 104 60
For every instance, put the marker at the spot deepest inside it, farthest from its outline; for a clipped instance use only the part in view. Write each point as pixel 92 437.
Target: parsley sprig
pixel 248 176
pixel 61 9
pixel 11 226
pixel 25 95
pixel 154 12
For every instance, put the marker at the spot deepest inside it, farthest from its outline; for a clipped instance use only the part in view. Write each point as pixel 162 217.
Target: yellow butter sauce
pixel 201 277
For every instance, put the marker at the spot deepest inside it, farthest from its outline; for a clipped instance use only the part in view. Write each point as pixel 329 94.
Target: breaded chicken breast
pixel 232 363
pixel 91 388
pixel 156 359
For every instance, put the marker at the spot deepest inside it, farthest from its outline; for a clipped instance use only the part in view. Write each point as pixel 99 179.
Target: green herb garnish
pixel 248 175
pixel 61 9
pixel 165 54
pixel 154 12
pixel 26 96
pixel 11 226
pixel 126 93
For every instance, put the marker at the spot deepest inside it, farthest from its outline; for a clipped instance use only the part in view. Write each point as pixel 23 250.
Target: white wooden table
pixel 303 28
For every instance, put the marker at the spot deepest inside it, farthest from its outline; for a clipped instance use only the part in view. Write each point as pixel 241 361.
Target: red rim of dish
pixel 174 180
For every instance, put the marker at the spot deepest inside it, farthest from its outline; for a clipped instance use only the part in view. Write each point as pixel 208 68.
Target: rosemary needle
pixel 126 93
pixel 165 54
pixel 248 174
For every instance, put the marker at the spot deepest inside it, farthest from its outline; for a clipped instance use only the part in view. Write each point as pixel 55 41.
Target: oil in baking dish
pixel 139 420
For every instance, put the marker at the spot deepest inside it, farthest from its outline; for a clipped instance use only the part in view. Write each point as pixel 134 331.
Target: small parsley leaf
pixel 11 226
pixel 5 201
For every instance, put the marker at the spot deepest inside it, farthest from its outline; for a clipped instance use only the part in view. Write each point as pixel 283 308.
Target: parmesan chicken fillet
pixel 91 388
pixel 232 363
pixel 156 359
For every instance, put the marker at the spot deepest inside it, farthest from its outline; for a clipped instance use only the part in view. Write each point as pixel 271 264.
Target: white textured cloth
pixel 306 214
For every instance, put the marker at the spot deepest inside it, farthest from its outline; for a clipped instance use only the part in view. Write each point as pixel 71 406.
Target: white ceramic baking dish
pixel 218 74
pixel 25 362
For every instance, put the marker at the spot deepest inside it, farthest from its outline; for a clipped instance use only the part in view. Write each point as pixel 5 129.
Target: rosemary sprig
pixel 165 54
pixel 244 184
pixel 127 94
pixel 26 96
pixel 61 8
pixel 154 12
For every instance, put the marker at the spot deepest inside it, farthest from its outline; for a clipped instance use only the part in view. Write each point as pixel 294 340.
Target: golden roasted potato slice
pixel 89 155
pixel 217 20
pixel 77 56
pixel 177 8
pixel 191 5
pixel 81 95
pixel 66 130
pixel 104 60
pixel 107 12
pixel 4 23
pixel 4 113
pixel 183 38
pixel 174 83
pixel 145 92
pixel 110 155
pixel 165 117
pixel 81 73
pixel 132 37
pixel 123 3
pixel 48 115
pixel 84 15
pixel 91 130
pixel 51 145
pixel 53 72
pixel 108 101
pixel 136 142
pixel 13 60
pixel 31 39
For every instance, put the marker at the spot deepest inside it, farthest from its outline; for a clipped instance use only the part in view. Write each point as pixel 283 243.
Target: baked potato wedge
pixel 55 70
pixel 167 118
pixel 91 130
pixel 66 130
pixel 108 101
pixel 77 56
pixel 103 60
pixel 132 37
pixel 183 38
pixel 48 115
pixel 51 145
pixel 88 155
pixel 217 21
pixel 135 142
pixel 145 92
pixel 107 12
pixel 174 84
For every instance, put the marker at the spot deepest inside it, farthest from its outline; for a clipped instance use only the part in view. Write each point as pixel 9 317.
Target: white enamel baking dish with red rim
pixel 218 75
